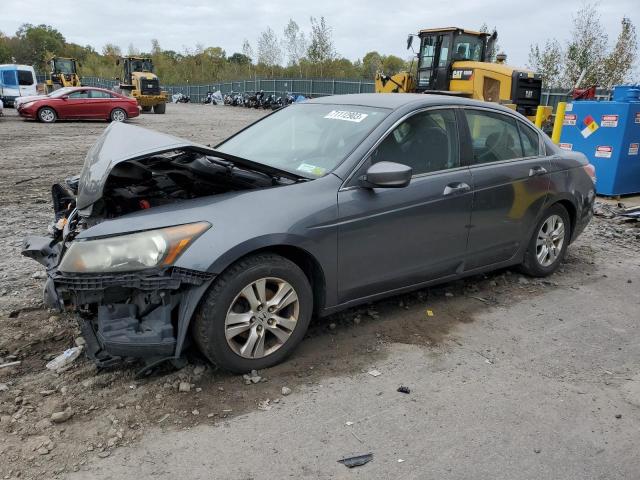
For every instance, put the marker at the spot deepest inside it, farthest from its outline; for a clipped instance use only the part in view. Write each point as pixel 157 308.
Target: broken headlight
pixel 136 251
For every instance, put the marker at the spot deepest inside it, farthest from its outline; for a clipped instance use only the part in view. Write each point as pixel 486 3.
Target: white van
pixel 16 81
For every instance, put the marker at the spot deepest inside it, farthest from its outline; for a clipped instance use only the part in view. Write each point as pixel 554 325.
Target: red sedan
pixel 74 103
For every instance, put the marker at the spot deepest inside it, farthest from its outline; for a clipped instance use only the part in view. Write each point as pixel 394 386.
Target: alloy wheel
pixel 47 115
pixel 262 317
pixel 118 116
pixel 550 240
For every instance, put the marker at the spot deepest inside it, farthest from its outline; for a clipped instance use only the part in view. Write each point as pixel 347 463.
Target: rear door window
pixel 99 94
pixel 530 140
pixel 494 136
pixel 25 77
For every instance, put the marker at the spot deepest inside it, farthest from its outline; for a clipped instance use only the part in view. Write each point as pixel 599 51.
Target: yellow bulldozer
pixel 140 82
pixel 63 72
pixel 456 61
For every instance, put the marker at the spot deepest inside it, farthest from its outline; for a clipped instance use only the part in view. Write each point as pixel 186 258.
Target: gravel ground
pixel 471 319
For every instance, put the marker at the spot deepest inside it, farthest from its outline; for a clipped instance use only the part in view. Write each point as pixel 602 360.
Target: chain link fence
pixel 307 87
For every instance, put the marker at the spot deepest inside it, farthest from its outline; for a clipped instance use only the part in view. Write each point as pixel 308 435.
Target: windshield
pixel 60 92
pixel 468 47
pixel 141 66
pixel 308 139
pixel 64 65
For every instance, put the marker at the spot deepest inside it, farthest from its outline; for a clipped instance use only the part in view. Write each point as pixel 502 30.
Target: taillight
pixel 591 171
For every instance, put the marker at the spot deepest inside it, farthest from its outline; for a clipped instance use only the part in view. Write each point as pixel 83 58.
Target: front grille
pixel 526 92
pixel 170 279
pixel 149 86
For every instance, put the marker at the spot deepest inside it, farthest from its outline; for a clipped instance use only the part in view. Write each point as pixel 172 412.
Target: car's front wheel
pixel 254 314
pixel 47 115
pixel 549 243
pixel 118 115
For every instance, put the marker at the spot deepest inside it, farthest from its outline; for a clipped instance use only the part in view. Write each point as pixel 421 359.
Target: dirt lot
pixel 112 409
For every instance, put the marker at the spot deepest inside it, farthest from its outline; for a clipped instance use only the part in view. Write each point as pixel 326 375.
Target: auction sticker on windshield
pixel 347 116
pixel 312 169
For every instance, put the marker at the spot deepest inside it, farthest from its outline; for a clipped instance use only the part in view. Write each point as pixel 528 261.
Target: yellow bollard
pixel 557 123
pixel 539 116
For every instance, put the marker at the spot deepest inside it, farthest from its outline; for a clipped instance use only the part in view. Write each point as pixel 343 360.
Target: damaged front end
pixel 132 300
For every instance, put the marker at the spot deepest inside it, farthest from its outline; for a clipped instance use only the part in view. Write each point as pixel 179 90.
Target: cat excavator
pixel 457 61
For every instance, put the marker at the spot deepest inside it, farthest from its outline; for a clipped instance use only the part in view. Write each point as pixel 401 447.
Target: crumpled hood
pixel 120 143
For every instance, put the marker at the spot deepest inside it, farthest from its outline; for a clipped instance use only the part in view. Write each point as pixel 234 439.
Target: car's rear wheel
pixel 254 314
pixel 549 243
pixel 118 115
pixel 47 115
pixel 160 108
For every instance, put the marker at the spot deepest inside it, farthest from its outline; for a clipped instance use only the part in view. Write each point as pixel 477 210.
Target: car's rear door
pixel 76 104
pixel 101 104
pixel 397 237
pixel 511 183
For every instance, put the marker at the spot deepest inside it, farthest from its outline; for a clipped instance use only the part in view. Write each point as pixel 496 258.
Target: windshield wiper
pixel 257 166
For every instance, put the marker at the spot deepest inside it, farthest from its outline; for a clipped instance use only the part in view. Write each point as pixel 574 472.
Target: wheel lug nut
pixel 259 328
pixel 272 309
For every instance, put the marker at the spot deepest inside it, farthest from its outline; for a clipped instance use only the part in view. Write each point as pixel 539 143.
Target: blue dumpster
pixel 608 133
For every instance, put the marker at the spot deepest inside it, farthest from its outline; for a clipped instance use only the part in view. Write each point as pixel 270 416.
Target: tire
pixel 47 115
pixel 247 321
pixel 118 115
pixel 160 108
pixel 146 109
pixel 538 264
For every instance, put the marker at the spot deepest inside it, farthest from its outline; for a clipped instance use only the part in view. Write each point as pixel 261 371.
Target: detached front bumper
pixel 128 315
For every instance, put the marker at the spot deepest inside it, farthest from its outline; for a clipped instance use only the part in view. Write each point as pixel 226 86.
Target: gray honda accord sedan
pixel 317 207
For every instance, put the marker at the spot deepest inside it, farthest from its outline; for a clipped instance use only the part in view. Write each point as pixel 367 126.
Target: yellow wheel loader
pixel 455 61
pixel 141 83
pixel 63 72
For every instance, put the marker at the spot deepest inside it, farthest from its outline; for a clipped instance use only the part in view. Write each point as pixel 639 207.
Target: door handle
pixel 538 170
pixel 457 187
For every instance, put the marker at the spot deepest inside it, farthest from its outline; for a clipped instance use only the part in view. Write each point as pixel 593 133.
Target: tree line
pixel 307 53
pixel 293 53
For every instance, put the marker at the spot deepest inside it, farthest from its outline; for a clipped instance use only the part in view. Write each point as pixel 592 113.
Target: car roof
pixel 396 101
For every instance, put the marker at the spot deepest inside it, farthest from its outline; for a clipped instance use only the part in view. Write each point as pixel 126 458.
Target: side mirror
pixel 387 175
pixel 65 97
pixel 409 41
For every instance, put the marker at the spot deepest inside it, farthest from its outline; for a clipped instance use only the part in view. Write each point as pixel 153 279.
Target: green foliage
pixel 587 54
pixel 294 54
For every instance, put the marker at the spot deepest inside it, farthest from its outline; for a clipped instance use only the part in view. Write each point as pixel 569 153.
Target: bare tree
pixel 247 51
pixel 587 48
pixel 620 62
pixel 269 51
pixel 321 48
pixel 547 61
pixel 132 50
pixel 295 44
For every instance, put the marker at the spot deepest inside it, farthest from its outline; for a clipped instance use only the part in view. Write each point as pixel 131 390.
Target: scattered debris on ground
pixel 356 461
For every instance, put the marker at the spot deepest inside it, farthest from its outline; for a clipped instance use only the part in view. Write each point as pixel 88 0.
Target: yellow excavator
pixel 63 72
pixel 140 82
pixel 456 61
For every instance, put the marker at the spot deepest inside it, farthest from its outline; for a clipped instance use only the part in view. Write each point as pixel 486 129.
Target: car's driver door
pixel 390 238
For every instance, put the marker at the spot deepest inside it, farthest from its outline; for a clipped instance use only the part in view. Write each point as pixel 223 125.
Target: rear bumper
pixel 584 215
pixel 8 101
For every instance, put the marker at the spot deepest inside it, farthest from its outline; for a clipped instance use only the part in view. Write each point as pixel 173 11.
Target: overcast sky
pixel 358 26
